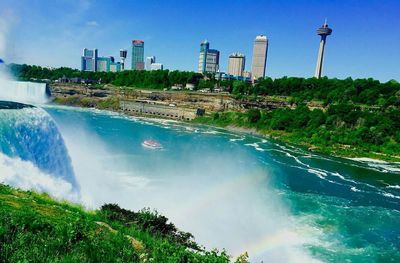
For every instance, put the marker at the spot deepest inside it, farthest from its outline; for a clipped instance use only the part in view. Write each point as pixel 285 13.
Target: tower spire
pixel 323 31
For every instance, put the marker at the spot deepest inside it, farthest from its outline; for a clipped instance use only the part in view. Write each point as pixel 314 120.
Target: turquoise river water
pixel 234 191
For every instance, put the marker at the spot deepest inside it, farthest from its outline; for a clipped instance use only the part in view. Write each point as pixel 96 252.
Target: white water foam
pixel 390 195
pixel 393 186
pixel 354 189
pixel 23 91
pixel 25 175
pixel 236 139
pixel 318 173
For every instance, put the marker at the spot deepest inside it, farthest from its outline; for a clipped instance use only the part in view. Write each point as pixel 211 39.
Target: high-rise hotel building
pixel 149 61
pixel 236 64
pixel 138 54
pixel 260 50
pixel 89 60
pixel 208 59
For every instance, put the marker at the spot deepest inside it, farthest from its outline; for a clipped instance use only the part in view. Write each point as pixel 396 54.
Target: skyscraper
pixel 323 31
pixel 236 64
pixel 138 54
pixel 208 59
pixel 89 60
pixel 103 64
pixel 115 67
pixel 122 54
pixel 149 61
pixel 259 63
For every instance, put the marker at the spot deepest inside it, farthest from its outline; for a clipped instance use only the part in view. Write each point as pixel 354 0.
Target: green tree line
pixel 358 91
pixel 342 128
pixel 156 79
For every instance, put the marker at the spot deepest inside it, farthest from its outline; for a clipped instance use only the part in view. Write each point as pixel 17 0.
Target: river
pixel 234 191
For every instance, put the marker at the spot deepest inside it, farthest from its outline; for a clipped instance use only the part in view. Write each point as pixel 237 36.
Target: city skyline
pixel 291 31
pixel 91 61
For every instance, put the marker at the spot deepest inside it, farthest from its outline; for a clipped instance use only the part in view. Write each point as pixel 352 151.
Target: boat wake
pixel 152 144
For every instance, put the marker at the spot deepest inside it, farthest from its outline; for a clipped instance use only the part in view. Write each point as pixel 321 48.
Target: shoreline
pixel 252 131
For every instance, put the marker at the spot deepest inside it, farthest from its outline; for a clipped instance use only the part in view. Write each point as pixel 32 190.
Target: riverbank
pixel 317 130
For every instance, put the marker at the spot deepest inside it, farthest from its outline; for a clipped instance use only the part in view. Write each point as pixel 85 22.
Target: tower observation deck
pixel 323 31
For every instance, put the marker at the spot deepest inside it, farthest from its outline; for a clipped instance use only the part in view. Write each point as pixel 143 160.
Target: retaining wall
pixel 141 108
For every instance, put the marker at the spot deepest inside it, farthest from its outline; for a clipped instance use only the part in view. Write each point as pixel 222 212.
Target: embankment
pixel 36 228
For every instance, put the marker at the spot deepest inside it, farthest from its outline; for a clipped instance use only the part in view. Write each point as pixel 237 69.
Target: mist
pixel 4 28
pixel 224 199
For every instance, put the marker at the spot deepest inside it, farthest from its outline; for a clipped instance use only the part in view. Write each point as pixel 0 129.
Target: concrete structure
pixel 138 54
pixel 247 74
pixel 236 64
pixel 103 64
pixel 226 76
pixel 107 64
pixel 145 108
pixel 116 67
pixel 123 54
pixel 89 60
pixel 323 31
pixel 149 61
pixel 208 59
pixel 260 51
pixel 156 66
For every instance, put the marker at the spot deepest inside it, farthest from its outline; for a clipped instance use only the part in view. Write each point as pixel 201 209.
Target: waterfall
pixel 31 139
pixel 24 91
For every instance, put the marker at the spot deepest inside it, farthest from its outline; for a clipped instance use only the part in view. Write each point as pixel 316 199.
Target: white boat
pixel 151 144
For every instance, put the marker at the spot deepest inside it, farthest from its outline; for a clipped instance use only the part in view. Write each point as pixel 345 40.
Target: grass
pixel 36 228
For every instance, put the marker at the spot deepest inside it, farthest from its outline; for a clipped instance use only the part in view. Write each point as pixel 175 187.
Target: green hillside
pixel 36 228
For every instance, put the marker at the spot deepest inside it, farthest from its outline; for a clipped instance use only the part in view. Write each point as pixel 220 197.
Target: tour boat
pixel 151 144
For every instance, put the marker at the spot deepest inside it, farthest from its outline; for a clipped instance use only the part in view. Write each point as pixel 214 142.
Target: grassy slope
pixel 36 228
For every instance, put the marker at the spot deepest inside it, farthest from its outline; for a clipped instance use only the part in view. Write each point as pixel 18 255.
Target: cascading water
pixel 33 153
pixel 24 91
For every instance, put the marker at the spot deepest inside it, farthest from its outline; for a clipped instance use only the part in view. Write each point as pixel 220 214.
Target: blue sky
pixel 365 40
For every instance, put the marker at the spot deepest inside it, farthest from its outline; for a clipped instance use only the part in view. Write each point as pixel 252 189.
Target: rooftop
pixel 261 37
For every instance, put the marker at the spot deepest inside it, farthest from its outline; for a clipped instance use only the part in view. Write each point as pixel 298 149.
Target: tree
pixel 253 115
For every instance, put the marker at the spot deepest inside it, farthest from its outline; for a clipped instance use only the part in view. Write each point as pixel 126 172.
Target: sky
pixel 365 41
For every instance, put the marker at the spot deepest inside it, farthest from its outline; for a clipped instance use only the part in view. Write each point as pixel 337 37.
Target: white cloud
pixel 92 23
